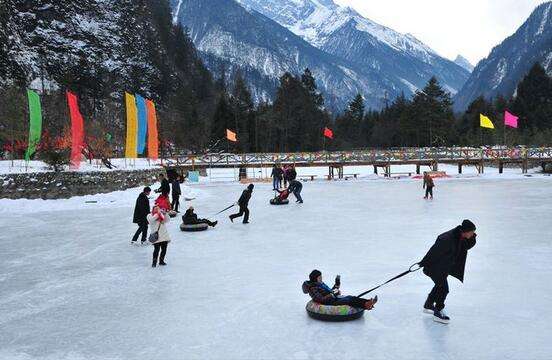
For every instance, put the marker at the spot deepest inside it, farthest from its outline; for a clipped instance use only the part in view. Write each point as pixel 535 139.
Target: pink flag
pixel 511 120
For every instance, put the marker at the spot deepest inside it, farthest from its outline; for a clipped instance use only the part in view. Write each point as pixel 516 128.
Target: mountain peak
pixel 465 63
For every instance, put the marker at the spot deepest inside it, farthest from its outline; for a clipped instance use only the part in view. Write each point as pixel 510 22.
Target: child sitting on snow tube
pixel 282 198
pixel 190 218
pixel 324 295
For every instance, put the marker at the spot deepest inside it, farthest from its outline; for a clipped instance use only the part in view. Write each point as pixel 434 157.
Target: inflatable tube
pixel 276 202
pixel 333 313
pixel 194 227
pixel 172 214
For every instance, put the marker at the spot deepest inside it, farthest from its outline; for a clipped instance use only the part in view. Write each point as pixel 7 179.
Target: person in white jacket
pixel 157 221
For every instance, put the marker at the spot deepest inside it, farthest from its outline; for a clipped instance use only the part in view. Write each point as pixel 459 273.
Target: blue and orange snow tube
pixel 333 313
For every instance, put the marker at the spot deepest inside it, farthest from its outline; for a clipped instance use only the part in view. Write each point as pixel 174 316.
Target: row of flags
pixel 141 123
pixel 510 120
pixel 35 126
pixel 231 136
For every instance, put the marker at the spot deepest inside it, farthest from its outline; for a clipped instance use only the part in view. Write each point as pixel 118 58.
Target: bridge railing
pixel 371 156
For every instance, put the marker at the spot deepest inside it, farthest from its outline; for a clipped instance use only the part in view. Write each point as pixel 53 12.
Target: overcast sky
pixel 451 27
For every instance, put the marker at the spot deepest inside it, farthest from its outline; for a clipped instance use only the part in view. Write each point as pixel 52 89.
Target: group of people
pixel 284 175
pixel 446 257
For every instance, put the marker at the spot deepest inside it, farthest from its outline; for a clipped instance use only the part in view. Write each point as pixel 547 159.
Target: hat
pixel 251 186
pixel 147 189
pixel 314 275
pixel 467 226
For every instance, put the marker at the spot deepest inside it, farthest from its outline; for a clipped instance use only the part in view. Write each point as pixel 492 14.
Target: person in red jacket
pixel 163 202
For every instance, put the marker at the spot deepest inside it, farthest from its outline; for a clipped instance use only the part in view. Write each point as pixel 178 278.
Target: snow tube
pixel 172 214
pixel 277 202
pixel 333 313
pixel 194 227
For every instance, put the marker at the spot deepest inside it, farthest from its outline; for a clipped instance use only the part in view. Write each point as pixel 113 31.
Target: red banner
pixel 328 133
pixel 77 130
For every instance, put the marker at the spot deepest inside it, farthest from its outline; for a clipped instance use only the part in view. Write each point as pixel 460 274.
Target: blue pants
pixel 297 194
pixel 276 183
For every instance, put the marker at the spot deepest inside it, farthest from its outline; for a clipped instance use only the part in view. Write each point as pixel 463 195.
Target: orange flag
pixel 230 135
pixel 77 130
pixel 153 137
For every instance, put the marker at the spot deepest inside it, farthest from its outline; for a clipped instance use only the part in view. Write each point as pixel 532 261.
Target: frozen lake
pixel 71 286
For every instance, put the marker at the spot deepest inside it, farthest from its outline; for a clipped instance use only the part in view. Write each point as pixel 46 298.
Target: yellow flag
pixel 486 122
pixel 131 151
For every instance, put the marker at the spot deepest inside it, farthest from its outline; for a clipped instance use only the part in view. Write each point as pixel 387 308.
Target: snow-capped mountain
pixel 344 33
pixel 465 63
pixel 227 34
pixel 510 61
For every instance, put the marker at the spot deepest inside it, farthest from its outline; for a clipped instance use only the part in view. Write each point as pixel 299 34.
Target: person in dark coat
pixel 447 257
pixel 295 187
pixel 190 218
pixel 176 192
pixel 429 184
pixel 165 188
pixel 323 294
pixel 243 202
pixel 277 174
pixel 292 173
pixel 141 211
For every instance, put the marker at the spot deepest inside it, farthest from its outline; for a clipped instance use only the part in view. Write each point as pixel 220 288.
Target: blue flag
pixel 142 124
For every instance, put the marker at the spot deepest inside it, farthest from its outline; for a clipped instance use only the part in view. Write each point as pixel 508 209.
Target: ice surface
pixel 71 286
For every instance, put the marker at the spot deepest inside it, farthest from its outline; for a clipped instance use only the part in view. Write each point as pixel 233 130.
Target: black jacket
pixel 244 198
pixel 277 173
pixel 142 209
pixel 295 185
pixel 448 255
pixel 292 174
pixel 165 187
pixel 189 218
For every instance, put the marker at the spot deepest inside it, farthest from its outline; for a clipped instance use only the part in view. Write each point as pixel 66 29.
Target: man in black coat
pixel 243 202
pixel 141 211
pixel 447 257
pixel 165 185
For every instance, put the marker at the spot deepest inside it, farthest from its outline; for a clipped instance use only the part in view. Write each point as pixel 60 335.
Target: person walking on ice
pixel 176 192
pixel 243 203
pixel 447 257
pixel 158 230
pixel 141 211
pixel 429 184
pixel 295 187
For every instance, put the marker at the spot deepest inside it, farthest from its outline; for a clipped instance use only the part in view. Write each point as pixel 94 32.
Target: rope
pixel 393 279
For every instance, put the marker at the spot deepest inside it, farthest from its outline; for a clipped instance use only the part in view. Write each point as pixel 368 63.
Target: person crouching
pixel 323 294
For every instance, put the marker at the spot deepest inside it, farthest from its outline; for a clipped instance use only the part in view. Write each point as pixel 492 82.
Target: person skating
pixel 447 257
pixel 165 187
pixel 429 184
pixel 157 221
pixel 276 174
pixel 190 218
pixel 176 192
pixel 141 211
pixel 243 202
pixel 295 187
pixel 323 294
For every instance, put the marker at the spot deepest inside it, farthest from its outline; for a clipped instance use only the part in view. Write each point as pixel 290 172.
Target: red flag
pixel 328 133
pixel 230 135
pixel 77 130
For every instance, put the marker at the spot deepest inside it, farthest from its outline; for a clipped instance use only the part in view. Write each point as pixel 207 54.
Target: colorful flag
pixel 230 135
pixel 35 123
pixel 485 122
pixel 153 140
pixel 510 120
pixel 132 127
pixel 77 130
pixel 142 124
pixel 328 133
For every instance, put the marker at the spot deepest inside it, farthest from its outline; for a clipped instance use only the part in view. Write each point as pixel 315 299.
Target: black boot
pixel 231 218
pixel 154 264
pixel 213 224
pixel 439 316
pixel 162 263
pixel 429 306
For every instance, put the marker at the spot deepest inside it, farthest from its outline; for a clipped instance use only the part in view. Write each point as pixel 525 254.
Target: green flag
pixel 35 123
